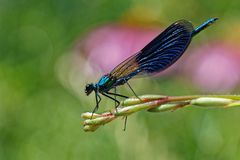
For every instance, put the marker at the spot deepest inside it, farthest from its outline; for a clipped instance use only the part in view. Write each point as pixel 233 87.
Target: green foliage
pixel 40 119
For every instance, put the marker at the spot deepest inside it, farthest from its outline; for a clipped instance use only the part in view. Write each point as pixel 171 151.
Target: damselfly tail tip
pixel 204 26
pixel 210 22
pixel 214 19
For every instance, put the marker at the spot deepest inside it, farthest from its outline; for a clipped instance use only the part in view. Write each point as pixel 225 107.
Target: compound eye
pixel 89 88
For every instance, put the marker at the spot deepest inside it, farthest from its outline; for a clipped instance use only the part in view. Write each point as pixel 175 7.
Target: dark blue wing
pixel 165 49
pixel 159 54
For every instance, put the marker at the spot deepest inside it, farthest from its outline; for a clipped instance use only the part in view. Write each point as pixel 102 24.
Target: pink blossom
pixel 108 46
pixel 214 67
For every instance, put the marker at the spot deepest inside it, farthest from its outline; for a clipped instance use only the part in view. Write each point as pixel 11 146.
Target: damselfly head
pixel 89 88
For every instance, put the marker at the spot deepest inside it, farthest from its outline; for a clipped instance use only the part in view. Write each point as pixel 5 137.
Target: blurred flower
pixel 214 67
pixel 100 51
pixel 108 46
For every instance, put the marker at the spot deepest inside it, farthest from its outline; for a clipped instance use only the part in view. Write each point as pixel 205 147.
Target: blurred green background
pixel 40 113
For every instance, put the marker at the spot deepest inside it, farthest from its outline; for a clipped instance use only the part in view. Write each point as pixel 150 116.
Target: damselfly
pixel 155 57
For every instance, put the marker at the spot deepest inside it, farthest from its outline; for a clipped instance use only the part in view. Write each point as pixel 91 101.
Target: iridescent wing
pixel 159 54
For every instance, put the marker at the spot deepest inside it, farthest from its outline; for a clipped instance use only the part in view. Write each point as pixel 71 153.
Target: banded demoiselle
pixel 159 54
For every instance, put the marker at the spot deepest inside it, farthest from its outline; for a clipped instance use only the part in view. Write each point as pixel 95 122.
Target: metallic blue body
pixel 204 25
pixel 103 80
